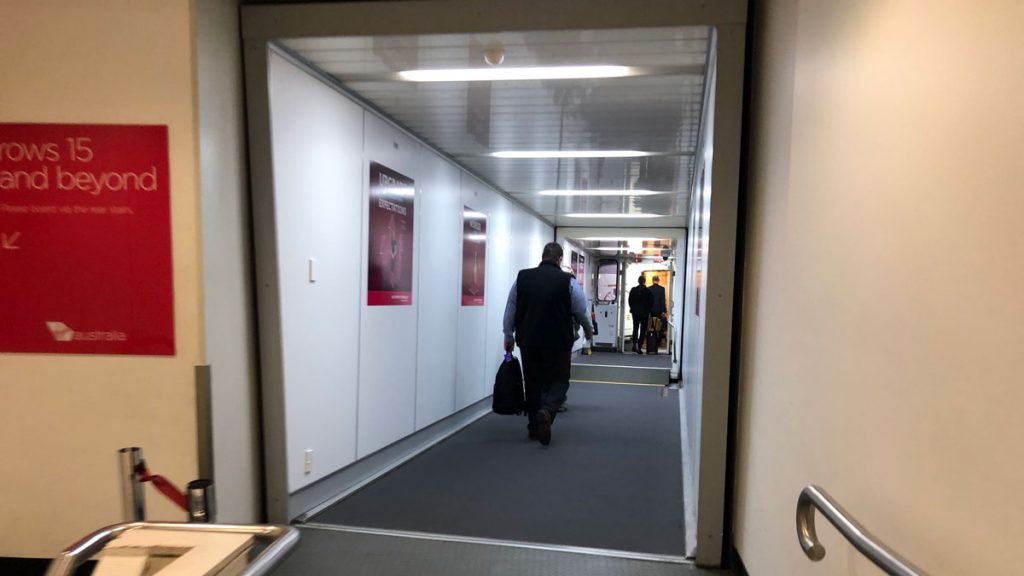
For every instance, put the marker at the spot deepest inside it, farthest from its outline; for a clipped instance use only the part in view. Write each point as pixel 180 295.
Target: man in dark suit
pixel 539 313
pixel 659 308
pixel 640 301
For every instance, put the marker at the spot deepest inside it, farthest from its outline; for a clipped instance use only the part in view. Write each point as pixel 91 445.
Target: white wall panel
pixel 360 377
pixel 387 358
pixel 317 144
pixel 475 366
pixel 589 262
pixel 499 281
pixel 440 263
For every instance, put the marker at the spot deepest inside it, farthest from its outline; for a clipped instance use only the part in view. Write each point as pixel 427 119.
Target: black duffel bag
pixel 508 397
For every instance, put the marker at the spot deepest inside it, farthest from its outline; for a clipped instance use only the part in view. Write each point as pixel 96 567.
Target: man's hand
pixel 510 344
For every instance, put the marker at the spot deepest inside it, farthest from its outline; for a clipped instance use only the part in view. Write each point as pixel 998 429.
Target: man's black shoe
pixel 544 427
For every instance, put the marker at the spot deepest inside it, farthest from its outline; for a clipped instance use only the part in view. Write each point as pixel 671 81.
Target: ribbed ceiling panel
pixel 656 112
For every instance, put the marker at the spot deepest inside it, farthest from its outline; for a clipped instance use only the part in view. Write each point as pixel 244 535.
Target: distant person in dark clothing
pixel 563 405
pixel 640 301
pixel 539 314
pixel 659 308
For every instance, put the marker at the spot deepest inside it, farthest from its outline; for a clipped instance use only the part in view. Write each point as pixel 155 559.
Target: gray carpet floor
pixel 620 359
pixel 611 479
pixel 322 553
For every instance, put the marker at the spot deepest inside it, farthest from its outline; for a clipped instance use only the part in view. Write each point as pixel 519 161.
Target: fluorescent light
pixel 626 248
pixel 606 215
pixel 571 154
pixel 501 73
pixel 612 192
pixel 620 238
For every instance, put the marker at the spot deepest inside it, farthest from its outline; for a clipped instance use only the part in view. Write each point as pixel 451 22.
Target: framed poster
pixel 474 256
pixel 392 199
pixel 580 268
pixel 85 240
pixel 574 262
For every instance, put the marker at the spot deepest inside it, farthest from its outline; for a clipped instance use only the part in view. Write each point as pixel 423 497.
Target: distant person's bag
pixel 654 324
pixel 653 334
pixel 508 397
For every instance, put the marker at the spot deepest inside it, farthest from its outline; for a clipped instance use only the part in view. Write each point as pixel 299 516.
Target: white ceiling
pixel 658 111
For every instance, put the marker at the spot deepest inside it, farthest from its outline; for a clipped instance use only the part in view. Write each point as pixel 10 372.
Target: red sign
pixel 474 256
pixel 392 196
pixel 85 240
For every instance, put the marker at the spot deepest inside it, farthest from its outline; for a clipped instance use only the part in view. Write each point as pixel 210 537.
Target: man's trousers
pixel 546 377
pixel 639 330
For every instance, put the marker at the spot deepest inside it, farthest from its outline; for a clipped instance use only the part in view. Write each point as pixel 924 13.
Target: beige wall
pixel 883 311
pixel 62 418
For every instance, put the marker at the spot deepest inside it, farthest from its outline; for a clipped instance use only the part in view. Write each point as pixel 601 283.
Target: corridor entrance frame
pixel 262 25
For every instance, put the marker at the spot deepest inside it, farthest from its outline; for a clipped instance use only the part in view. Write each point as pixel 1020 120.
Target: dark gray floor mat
pixel 322 552
pixel 610 479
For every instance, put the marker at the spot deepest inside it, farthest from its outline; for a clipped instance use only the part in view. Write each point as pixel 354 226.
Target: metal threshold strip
pixel 623 554
pixel 617 383
pixel 622 366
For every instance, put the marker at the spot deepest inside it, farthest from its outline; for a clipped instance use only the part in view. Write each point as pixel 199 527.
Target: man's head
pixel 642 281
pixel 655 279
pixel 552 253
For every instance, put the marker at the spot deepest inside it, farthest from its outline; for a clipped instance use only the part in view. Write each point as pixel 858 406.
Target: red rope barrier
pixel 163 485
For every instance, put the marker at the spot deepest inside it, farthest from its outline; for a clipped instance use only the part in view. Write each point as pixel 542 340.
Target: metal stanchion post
pixel 201 504
pixel 132 497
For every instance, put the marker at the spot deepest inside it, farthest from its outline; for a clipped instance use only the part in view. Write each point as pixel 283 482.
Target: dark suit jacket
pixel 658 294
pixel 640 300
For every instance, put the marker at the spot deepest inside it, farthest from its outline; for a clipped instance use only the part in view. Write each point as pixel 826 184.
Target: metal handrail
pixel 815 498
pixel 282 539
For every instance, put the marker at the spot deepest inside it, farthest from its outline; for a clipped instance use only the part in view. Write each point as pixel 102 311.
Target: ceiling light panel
pixel 600 193
pixel 609 215
pixel 572 154
pixel 506 73
pixel 658 113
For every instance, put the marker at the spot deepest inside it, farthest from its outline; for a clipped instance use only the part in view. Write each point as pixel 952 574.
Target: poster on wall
pixel 85 240
pixel 580 268
pixel 474 254
pixel 392 196
pixel 574 262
